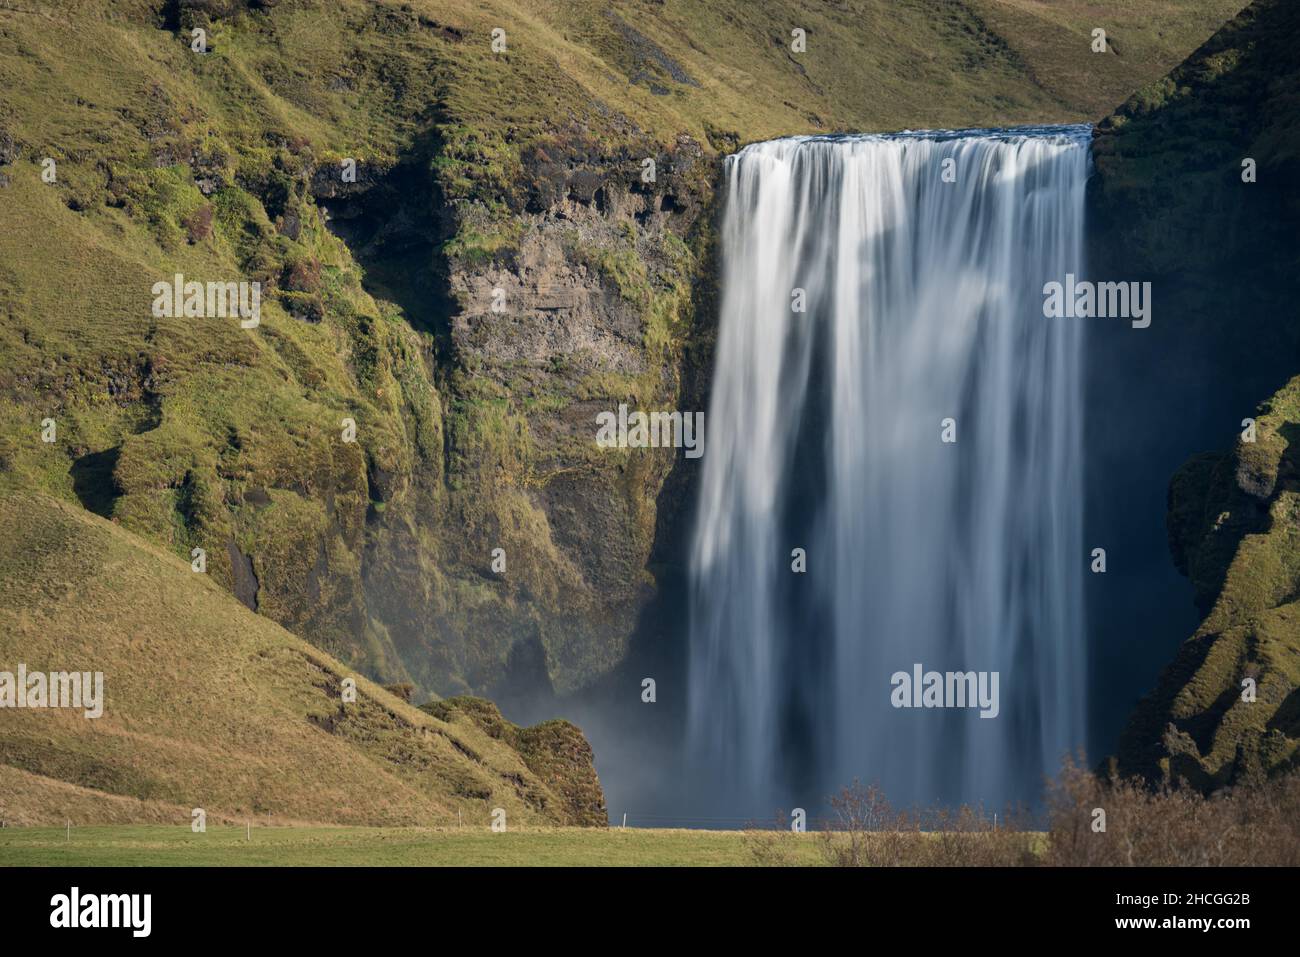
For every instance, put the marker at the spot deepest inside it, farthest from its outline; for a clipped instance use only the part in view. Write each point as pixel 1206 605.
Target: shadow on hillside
pixel 395 225
pixel 93 482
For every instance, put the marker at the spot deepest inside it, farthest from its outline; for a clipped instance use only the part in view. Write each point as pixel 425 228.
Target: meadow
pixel 162 846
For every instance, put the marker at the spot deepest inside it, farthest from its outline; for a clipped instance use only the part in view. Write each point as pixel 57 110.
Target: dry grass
pixel 209 705
pixel 1250 825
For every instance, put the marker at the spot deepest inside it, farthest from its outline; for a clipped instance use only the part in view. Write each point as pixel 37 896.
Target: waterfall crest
pixel 923 303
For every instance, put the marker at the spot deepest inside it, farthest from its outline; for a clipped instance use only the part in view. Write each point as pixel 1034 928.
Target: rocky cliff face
pixel 518 549
pixel 1196 189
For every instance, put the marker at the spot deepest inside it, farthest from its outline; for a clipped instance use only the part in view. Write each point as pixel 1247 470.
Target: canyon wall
pixel 1195 190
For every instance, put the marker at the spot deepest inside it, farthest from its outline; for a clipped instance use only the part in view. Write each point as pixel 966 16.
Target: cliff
pixel 1174 199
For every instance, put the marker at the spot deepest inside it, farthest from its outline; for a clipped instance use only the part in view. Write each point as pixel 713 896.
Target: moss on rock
pixel 556 751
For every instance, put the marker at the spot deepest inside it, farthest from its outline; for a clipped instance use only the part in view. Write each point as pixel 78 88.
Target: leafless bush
pixel 1091 821
pixel 866 831
pixel 1250 824
pixel 971 837
pixel 771 846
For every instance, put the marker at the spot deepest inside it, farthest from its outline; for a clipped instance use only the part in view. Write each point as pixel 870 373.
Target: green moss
pixel 476 161
pixel 477 247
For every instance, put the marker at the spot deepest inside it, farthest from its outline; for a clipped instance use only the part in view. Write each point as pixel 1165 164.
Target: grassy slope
pixel 869 64
pixel 1053 41
pixel 209 705
pixel 192 410
pixel 341 847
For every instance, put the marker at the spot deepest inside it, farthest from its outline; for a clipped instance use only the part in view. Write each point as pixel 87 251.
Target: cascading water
pixel 922 281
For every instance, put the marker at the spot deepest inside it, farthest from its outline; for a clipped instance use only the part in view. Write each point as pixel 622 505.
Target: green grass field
pixel 362 846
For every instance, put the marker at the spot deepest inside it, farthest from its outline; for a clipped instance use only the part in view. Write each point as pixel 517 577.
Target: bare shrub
pixel 1250 824
pixel 771 846
pixel 971 837
pixel 866 831
pixel 1175 826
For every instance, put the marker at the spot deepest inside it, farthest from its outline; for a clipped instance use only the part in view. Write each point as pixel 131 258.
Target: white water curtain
pixel 924 303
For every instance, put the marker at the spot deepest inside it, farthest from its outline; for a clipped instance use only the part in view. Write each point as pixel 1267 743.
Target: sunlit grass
pixel 344 846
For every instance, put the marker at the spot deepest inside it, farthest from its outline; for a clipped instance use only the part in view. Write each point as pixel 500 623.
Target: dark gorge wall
pixel 1169 474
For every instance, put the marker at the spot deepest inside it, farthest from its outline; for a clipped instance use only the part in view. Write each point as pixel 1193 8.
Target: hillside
pixel 209 705
pixel 475 171
pixel 1170 164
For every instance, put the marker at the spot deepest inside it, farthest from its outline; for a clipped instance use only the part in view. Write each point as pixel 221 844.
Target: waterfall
pixel 923 302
